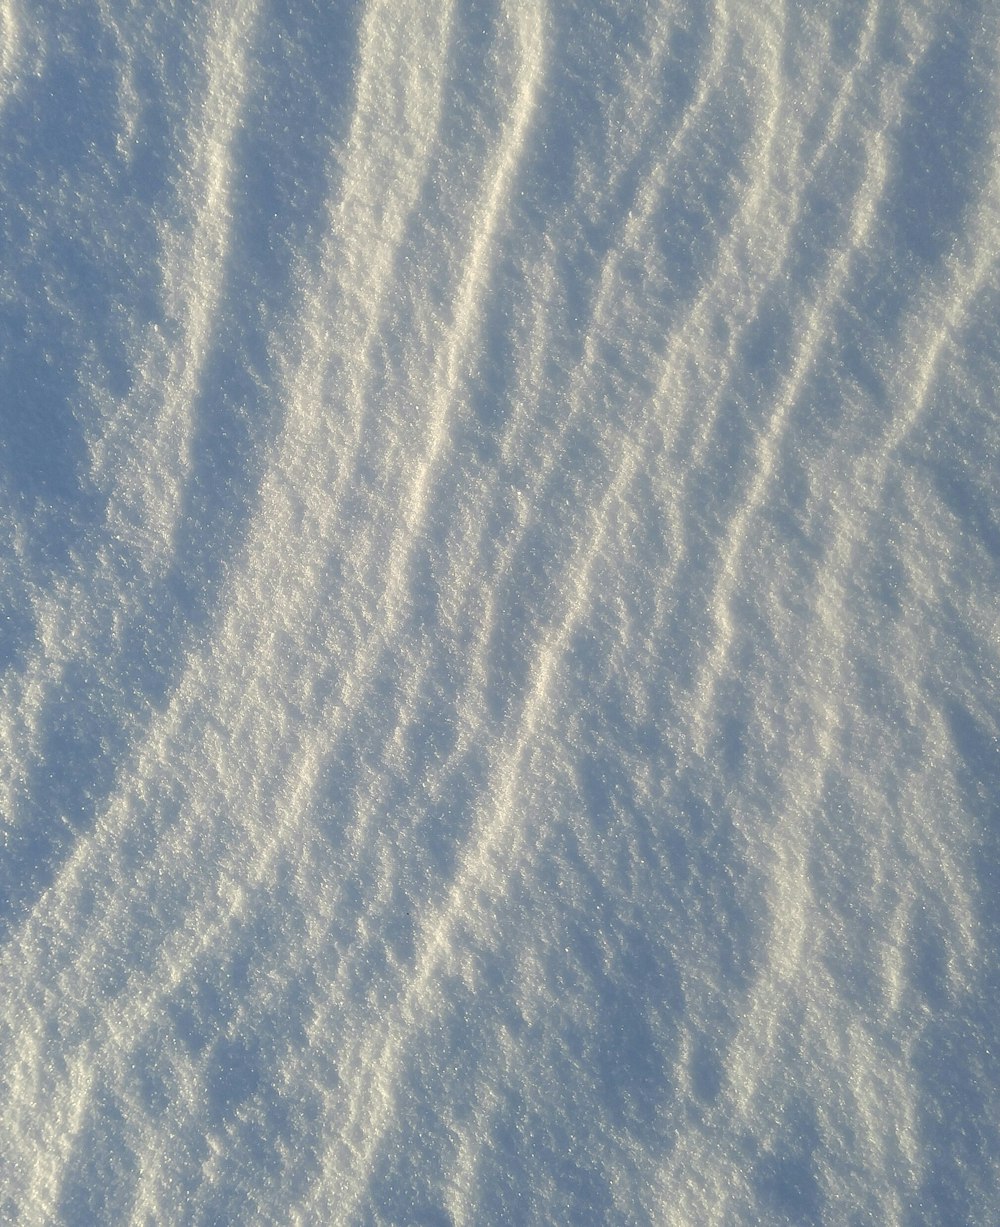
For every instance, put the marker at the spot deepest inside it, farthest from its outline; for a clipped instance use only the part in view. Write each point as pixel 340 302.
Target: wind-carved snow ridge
pixel 10 45
pixel 499 720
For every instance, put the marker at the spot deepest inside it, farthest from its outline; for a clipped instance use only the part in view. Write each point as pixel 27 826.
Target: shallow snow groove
pixel 499 713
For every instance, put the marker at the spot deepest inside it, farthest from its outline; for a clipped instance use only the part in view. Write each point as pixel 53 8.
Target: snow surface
pixel 500 628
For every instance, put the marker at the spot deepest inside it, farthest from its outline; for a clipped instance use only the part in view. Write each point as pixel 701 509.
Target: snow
pixel 499 550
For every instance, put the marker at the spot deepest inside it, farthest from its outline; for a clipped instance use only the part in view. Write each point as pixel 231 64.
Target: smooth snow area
pixel 500 536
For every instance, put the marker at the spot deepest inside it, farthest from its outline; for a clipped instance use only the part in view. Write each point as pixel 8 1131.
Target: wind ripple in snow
pixel 499 718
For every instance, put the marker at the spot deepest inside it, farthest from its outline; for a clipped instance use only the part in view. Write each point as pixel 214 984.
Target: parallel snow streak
pixel 573 806
pixel 146 443
pixel 10 44
pixel 140 458
pixel 140 442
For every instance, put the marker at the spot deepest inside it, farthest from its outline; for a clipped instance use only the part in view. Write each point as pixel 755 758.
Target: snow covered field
pixel 500 686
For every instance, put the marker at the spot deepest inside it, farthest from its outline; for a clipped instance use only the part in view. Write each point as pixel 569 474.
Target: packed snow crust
pixel 498 557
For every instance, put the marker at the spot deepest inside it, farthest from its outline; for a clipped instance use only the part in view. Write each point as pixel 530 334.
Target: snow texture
pixel 499 712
